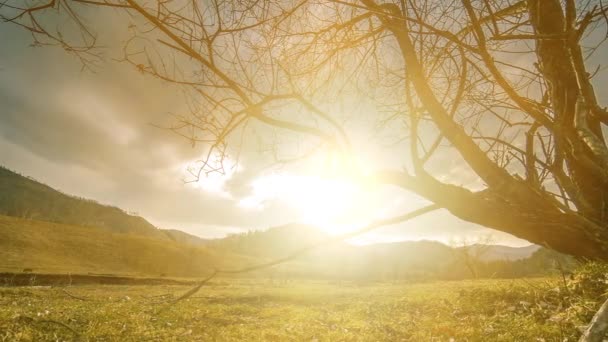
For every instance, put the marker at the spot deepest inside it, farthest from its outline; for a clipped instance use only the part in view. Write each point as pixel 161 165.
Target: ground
pixel 263 310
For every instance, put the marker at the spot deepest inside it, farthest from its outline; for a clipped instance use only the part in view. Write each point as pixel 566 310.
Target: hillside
pixel 270 243
pixel 53 247
pixel 60 248
pixel 24 197
pixel 185 238
pixel 498 252
pixel 27 198
pixel 49 231
pixel 407 260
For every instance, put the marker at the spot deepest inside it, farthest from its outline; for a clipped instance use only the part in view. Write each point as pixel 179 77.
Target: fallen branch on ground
pixel 73 296
pixel 597 329
pixel 30 320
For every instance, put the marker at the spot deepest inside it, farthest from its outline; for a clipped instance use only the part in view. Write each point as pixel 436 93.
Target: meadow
pixel 542 309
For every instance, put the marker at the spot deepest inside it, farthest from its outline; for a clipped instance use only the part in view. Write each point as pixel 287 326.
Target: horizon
pixel 370 239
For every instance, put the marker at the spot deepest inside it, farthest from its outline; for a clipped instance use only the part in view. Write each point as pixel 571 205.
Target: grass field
pixel 241 310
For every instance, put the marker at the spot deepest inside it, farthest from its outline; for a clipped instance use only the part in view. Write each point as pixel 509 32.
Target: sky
pixel 96 135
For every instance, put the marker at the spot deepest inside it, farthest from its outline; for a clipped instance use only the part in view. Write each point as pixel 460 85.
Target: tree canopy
pixel 504 86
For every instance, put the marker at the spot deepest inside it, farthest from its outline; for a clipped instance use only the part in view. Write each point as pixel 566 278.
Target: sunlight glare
pixel 333 199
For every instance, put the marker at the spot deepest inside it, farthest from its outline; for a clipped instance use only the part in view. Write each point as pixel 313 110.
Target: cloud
pixel 91 135
pixel 78 130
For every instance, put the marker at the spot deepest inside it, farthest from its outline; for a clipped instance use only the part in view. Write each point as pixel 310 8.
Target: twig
pixel 73 296
pixel 84 299
pixel 60 324
pixel 33 321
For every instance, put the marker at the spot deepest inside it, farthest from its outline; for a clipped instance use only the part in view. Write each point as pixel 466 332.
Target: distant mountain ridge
pixel 500 252
pixel 277 241
pixel 396 260
pixel 49 228
pixel 24 197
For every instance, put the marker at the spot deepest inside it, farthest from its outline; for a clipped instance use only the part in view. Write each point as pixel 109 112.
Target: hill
pixel 407 260
pixel 274 242
pixel 60 248
pixel 498 252
pixel 24 197
pixel 185 238
pixel 54 247
pixel 47 230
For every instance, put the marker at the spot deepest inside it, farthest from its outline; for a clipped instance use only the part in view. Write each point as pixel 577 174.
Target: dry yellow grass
pixel 50 247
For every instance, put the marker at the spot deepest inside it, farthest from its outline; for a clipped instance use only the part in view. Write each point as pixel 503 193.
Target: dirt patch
pixel 41 279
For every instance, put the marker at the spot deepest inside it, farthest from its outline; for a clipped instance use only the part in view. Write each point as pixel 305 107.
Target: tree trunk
pixel 556 65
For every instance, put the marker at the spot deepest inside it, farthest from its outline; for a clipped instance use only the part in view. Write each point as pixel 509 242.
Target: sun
pixel 324 202
pixel 327 203
pixel 335 202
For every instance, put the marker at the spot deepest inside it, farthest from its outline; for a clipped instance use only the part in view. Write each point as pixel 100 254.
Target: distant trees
pixel 470 252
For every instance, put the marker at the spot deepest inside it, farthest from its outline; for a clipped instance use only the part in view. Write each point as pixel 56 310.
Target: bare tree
pixel 442 74
pixel 470 252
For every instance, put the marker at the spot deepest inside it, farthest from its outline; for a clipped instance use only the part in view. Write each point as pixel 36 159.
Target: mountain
pixel 282 240
pixel 61 248
pixel 27 198
pixel 274 242
pixel 498 252
pixel 407 260
pixel 46 230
